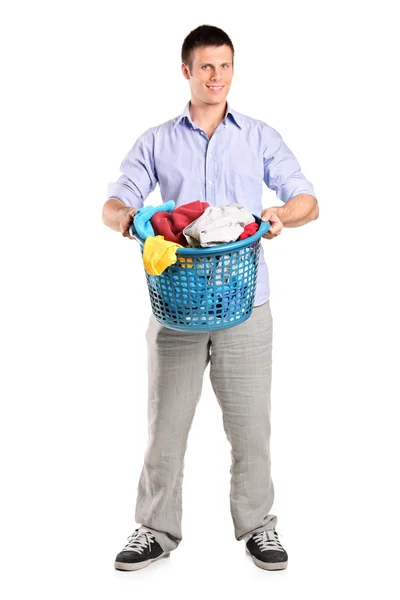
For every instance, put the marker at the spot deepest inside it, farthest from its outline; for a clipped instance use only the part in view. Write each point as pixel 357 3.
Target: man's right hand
pixel 118 216
pixel 126 222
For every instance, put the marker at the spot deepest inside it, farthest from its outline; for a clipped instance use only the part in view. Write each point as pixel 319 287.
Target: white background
pixel 81 81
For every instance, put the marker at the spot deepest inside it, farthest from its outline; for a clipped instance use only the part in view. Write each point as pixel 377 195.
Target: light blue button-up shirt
pixel 228 168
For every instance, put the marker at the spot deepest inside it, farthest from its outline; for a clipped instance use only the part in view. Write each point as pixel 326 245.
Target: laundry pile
pixel 196 224
pixel 212 286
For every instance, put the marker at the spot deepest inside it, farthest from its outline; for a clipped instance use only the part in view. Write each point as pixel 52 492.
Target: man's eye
pixel 205 66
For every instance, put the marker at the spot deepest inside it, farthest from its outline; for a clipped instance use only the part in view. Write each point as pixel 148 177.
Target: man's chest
pixel 216 157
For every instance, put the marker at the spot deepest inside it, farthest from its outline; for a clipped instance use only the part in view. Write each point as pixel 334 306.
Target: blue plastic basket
pixel 207 288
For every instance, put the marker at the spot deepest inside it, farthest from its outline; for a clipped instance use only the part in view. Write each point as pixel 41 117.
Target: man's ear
pixel 185 71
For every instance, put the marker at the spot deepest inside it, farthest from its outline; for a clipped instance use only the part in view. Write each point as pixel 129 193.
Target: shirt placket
pixel 210 183
pixel 210 173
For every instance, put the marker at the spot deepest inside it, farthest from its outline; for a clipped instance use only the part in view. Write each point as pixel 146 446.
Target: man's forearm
pixel 297 211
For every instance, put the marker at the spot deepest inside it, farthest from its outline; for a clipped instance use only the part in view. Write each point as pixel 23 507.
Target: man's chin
pixel 215 101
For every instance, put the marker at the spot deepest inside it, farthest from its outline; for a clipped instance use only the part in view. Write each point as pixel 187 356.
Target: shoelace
pixel 268 540
pixel 138 541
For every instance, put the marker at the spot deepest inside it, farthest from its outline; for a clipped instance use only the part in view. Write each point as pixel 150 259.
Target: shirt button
pixel 210 182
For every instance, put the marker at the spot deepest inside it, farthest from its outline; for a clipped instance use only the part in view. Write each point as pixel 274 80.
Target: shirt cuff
pixel 293 188
pixel 118 190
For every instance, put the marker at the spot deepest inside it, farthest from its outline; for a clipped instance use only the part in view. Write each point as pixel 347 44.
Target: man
pixel 214 154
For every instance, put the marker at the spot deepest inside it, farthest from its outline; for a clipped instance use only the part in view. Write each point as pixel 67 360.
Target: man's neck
pixel 207 116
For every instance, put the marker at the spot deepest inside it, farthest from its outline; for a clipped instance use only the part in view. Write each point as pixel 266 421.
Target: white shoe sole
pixel 268 566
pixel 121 566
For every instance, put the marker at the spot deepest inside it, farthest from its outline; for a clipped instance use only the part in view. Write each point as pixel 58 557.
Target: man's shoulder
pixel 246 121
pixel 162 127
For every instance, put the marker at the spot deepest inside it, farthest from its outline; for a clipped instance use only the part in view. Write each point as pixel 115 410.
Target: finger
pixel 266 216
pixel 271 236
pixel 275 229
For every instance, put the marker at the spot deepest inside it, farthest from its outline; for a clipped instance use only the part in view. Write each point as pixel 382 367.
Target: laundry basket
pixel 207 288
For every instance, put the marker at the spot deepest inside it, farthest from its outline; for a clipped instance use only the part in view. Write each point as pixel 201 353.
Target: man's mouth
pixel 215 88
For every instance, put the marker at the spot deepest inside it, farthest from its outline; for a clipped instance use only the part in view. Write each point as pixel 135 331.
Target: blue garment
pixel 228 168
pixel 142 218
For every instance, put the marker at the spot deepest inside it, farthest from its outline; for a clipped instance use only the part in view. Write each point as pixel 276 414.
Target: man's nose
pixel 216 75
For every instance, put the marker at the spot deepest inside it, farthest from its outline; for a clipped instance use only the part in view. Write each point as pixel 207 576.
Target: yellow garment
pixel 158 254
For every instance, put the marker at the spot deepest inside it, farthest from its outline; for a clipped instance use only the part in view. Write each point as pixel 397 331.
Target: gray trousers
pixel 240 371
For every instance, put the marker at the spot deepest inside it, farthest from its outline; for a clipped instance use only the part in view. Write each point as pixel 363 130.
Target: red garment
pixel 171 225
pixel 249 230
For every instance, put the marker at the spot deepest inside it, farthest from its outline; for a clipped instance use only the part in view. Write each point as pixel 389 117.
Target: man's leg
pixel 240 372
pixel 176 364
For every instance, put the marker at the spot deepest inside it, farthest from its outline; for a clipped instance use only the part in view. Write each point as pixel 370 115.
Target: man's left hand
pixel 276 224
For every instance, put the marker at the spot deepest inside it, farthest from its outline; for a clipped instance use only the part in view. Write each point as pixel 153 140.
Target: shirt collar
pixel 229 113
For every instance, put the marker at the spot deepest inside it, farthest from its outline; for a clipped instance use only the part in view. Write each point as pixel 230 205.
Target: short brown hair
pixel 204 35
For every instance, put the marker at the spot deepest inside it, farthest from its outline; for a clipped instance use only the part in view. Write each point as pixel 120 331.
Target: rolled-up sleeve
pixel 282 172
pixel 138 176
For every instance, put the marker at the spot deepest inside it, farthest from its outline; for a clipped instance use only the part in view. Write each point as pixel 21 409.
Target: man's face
pixel 211 74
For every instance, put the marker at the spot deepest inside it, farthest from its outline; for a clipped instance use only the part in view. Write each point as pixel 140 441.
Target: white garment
pixel 218 225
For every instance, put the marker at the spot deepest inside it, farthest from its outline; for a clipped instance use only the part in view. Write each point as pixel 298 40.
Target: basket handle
pixel 133 233
pixel 264 227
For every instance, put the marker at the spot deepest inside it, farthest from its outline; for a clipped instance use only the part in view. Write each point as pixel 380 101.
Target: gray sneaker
pixel 266 550
pixel 141 550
